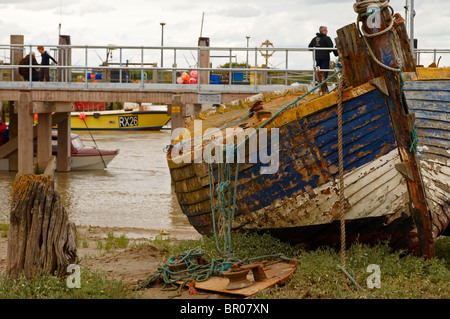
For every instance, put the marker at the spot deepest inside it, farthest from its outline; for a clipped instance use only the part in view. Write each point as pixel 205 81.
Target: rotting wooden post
pixel 402 124
pixel 64 143
pixel 41 239
pixel 44 140
pixel 25 133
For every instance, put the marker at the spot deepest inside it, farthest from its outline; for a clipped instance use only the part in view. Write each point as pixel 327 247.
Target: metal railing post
pixel 287 67
pixel 31 67
pixel 120 65
pixel 86 66
pixel 142 68
pixel 256 67
pixel 314 65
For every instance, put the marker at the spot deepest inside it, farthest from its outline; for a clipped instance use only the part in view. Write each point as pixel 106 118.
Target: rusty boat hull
pixel 300 202
pixel 428 97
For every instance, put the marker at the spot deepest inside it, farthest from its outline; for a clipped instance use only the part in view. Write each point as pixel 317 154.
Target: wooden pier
pixel 54 101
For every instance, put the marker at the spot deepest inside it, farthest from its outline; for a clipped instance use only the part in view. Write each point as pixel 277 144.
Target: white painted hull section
pixel 373 190
pixel 90 162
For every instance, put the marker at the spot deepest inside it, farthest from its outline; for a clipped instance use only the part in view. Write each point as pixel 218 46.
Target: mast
pixel 412 13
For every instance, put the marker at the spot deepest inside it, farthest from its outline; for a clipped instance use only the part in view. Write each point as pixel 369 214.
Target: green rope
pixel 226 195
pixel 226 204
pixel 199 267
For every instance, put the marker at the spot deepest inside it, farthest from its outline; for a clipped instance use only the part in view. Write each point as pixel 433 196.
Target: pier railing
pixel 428 56
pixel 238 69
pixel 142 68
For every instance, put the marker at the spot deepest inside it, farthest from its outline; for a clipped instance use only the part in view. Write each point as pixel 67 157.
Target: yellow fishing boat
pixel 127 119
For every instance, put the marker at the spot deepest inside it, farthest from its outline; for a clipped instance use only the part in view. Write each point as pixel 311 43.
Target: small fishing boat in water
pixel 374 155
pixel 82 157
pixel 136 118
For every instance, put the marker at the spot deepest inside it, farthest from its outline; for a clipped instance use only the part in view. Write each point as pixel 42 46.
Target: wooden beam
pixel 204 61
pixel 401 123
pixel 177 112
pixel 51 166
pixel 25 134
pixel 12 146
pixel 64 143
pixel 13 133
pixel 44 141
pixel 52 107
pixel 16 54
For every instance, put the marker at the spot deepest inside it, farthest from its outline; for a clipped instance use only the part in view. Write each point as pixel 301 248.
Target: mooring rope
pixel 341 176
pixel 362 8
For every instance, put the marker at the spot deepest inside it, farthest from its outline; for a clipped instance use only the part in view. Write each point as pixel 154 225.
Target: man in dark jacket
pixel 44 74
pixel 322 56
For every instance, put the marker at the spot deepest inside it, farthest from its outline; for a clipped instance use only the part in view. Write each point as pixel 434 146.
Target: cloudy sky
pixel 286 23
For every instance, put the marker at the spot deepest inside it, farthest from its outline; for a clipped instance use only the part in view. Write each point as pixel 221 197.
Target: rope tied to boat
pixel 342 200
pixel 368 8
pixel 226 204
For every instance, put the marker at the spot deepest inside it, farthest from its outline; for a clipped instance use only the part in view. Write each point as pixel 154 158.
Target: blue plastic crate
pixel 214 79
pixel 238 76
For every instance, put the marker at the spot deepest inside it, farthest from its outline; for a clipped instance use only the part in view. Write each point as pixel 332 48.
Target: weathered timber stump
pixel 41 239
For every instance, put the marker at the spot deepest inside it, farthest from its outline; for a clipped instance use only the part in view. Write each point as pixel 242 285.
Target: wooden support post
pixel 384 51
pixel 16 55
pixel 44 140
pixel 64 144
pixel 25 133
pixel 64 58
pixel 13 133
pixel 177 111
pixel 203 76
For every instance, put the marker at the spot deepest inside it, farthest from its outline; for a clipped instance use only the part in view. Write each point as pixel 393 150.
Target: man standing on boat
pixel 322 40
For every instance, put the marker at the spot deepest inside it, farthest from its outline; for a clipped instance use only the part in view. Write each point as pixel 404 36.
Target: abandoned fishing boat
pixel 375 153
pixel 136 118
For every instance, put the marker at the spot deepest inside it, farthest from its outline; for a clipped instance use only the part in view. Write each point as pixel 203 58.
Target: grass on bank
pixel 317 275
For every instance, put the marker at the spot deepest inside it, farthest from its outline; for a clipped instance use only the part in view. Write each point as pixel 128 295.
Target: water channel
pixel 134 191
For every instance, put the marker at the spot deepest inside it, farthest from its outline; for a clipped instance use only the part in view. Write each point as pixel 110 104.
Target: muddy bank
pixel 129 265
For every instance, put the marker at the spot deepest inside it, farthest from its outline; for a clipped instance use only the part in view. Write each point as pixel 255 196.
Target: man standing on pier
pixel 44 74
pixel 322 40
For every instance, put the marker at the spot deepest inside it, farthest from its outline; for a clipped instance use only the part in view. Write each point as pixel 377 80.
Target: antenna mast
pixel 201 29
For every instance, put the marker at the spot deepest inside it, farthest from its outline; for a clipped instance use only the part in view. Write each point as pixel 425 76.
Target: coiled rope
pixel 363 8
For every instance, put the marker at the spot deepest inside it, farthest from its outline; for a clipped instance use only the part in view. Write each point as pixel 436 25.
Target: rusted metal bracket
pixel 238 278
pixel 257 270
pixel 238 275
